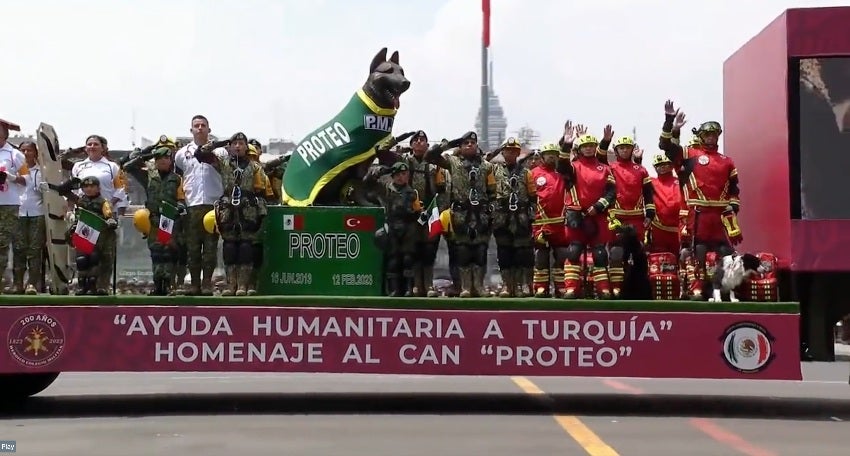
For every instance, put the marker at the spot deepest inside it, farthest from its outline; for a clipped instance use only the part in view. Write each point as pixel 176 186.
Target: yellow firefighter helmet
pixel 661 159
pixel 209 222
pixel 624 141
pixel 586 140
pixel 142 221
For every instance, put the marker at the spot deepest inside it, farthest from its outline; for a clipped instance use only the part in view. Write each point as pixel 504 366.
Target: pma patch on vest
pixel 378 123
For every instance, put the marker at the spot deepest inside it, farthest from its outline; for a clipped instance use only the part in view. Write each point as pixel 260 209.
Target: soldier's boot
pixel 419 281
pixel 408 286
pixel 572 280
pixel 601 284
pixel 244 280
pixel 17 281
pixel 541 283
pixel 507 284
pixel 206 282
pixel 195 287
pixel 428 279
pixel 180 279
pixel 466 282
pixel 393 286
pixel 230 277
pixel 523 281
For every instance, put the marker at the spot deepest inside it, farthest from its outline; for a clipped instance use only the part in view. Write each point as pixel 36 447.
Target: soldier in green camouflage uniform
pixel 429 181
pixel 163 187
pixel 403 208
pixel 514 211
pixel 240 214
pixel 94 271
pixel 472 192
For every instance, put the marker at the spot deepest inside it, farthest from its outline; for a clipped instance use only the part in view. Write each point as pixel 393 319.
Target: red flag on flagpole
pixel 485 7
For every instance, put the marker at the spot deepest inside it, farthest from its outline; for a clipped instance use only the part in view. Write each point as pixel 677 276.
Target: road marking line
pixel 620 386
pixel 583 435
pixel 729 438
pixel 705 426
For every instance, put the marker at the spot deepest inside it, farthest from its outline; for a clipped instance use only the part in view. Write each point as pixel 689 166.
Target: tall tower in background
pixel 496 123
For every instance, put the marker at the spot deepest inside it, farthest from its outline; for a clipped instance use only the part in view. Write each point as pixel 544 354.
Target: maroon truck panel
pixel 757 101
pixel 755 130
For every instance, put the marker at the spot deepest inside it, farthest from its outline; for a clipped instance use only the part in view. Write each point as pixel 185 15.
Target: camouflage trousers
pixel 202 247
pixel 105 253
pixel 8 233
pixel 163 257
pixel 28 248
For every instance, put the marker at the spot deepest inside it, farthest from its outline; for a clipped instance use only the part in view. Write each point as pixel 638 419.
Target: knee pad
pixel 524 257
pixel 258 255
pixel 230 252
pixel 616 255
pixel 407 261
pixel 393 264
pixel 724 249
pixel 480 256
pixel 463 255
pixel 83 262
pixel 541 258
pixel 574 251
pixel 246 252
pixel 505 257
pixel 600 256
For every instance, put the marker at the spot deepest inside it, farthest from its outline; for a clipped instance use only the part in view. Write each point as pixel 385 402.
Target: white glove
pixel 70 217
pixel 43 187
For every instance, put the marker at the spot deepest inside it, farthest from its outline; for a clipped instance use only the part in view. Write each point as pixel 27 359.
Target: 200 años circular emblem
pixel 747 347
pixel 36 340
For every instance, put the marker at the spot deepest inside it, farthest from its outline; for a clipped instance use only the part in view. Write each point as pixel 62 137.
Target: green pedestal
pixel 327 251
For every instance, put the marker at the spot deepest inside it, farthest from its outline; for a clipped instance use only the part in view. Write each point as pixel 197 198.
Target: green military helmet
pixel 399 167
pixel 90 180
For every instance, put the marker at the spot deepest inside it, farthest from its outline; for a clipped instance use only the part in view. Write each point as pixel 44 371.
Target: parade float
pixel 320 307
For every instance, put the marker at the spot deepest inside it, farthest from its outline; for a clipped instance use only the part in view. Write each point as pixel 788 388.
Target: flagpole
pixel 485 88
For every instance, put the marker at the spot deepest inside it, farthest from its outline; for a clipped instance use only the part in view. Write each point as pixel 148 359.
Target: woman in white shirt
pixel 29 245
pixel 112 188
pixel 11 183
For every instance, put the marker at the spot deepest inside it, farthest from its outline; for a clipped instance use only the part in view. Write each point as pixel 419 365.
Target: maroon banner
pixel 537 343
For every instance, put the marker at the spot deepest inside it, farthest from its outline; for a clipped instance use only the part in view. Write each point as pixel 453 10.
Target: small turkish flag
pixel 359 223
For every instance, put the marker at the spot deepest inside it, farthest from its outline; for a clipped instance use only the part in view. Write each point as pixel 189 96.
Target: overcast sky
pixel 280 68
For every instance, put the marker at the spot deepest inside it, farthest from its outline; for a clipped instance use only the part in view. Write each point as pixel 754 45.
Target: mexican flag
pixel 167 218
pixel 344 141
pixel 89 227
pixel 435 226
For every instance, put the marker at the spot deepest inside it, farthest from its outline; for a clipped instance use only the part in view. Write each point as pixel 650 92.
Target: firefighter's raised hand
pixel 679 121
pixel 670 108
pixel 608 133
pixel 580 130
pixel 637 153
pixel 569 132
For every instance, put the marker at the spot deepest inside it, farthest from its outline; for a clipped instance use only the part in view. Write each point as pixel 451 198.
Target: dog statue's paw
pixel 712 300
pixel 734 300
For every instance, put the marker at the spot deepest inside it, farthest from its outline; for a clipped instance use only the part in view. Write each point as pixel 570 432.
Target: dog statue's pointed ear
pixel 394 58
pixel 379 58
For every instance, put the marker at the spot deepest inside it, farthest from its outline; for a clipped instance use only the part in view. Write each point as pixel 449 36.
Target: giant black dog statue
pixel 379 98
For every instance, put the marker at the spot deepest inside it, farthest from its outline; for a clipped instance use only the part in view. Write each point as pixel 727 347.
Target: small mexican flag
pixel 167 217
pixel 435 226
pixel 89 226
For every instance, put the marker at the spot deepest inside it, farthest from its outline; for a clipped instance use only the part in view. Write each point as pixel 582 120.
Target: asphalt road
pixel 323 415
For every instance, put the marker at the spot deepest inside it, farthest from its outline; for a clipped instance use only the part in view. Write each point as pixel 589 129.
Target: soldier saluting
pixel 472 193
pixel 429 181
pixel 402 205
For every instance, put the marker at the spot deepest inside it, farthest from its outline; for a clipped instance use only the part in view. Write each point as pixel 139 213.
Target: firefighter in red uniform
pixel 670 210
pixel 710 185
pixel 548 225
pixel 591 190
pixel 633 206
